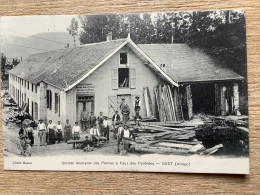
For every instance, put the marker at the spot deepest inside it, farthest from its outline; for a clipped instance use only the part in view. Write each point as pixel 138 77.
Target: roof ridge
pixel 98 43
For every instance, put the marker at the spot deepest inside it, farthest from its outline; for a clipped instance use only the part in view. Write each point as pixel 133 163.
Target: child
pixel 138 119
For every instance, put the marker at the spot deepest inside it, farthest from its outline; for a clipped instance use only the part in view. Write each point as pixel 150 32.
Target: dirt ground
pixel 10 140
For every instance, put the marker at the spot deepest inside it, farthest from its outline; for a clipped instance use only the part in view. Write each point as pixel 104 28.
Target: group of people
pixel 50 134
pixel 98 127
pixel 123 134
pixel 125 111
pixel 100 123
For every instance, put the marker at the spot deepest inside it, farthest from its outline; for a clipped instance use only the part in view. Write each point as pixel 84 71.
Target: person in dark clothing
pixel 67 131
pixel 51 132
pixel 29 130
pixel 125 113
pixel 137 104
pixel 23 135
pixel 116 118
pixel 138 119
pixel 92 120
pixel 22 131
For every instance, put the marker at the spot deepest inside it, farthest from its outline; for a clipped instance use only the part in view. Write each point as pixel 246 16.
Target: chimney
pixel 109 36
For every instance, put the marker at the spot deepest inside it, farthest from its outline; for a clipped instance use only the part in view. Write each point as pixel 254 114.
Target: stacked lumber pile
pixel 170 138
pixel 239 123
pixel 168 103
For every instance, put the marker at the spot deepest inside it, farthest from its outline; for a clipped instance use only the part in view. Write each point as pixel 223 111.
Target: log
pixel 211 150
pixel 166 128
pixel 244 129
pixel 76 141
pixel 161 150
pixel 182 142
pixel 196 148
pixel 173 145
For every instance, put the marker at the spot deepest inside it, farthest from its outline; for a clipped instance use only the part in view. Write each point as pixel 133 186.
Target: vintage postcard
pixel 159 92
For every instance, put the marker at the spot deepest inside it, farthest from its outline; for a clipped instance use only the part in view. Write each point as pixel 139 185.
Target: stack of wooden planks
pixel 168 103
pixel 170 138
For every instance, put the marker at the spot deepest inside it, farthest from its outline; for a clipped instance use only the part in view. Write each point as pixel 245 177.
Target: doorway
pixel 203 97
pixel 86 102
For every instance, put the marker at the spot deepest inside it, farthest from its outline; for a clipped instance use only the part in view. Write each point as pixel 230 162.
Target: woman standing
pixel 51 132
pixel 67 131
pixel 59 132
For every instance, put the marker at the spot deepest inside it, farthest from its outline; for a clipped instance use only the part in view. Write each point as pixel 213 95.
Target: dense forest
pixel 220 33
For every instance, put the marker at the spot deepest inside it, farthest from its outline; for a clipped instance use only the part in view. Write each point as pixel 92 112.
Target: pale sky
pixel 31 25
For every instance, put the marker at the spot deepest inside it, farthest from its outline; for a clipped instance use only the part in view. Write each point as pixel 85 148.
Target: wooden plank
pixel 211 150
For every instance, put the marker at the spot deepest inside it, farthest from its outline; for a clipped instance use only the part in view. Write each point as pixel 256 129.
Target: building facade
pixel 123 74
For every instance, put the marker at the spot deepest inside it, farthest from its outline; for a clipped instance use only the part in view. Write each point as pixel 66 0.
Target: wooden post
pixel 217 100
pixel 222 100
pixel 236 96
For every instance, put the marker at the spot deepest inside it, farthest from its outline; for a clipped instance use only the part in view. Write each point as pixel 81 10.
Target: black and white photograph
pixel 147 92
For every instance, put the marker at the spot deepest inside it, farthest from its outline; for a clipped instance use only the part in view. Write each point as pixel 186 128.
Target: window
pixel 35 88
pixel 49 99
pixel 123 58
pixel 24 84
pixel 56 103
pixel 28 85
pixel 123 77
pixel 32 87
pixel 35 111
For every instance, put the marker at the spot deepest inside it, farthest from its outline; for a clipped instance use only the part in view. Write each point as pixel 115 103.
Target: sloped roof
pixel 64 67
pixel 186 65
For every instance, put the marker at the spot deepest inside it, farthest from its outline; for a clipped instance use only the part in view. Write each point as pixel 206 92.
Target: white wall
pixel 102 81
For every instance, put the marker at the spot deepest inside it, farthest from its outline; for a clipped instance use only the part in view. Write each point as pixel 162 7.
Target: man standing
pixel 119 136
pixel 122 104
pixel 106 128
pixel 116 118
pixel 100 123
pixel 75 133
pixel 84 119
pixel 42 133
pixel 92 120
pixel 125 113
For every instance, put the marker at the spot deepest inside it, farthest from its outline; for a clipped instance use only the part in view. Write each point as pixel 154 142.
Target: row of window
pixel 25 83
pixel 56 101
pixel 21 100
